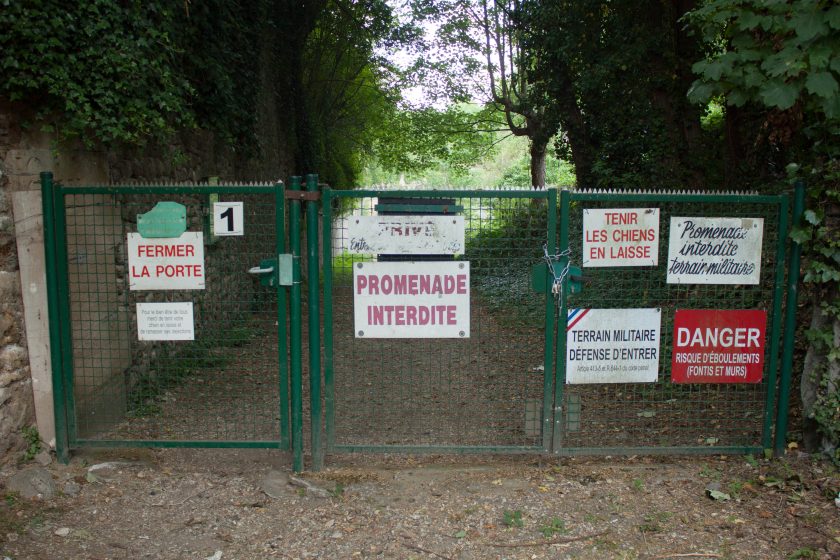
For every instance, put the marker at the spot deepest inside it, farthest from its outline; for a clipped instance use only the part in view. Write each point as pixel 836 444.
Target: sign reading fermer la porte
pixel 175 263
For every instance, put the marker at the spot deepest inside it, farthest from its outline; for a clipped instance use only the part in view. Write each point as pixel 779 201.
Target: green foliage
pixel 412 141
pixel 554 527
pixel 106 69
pixel 513 518
pixel 781 53
pixel 785 58
pixel 33 442
pixel 617 72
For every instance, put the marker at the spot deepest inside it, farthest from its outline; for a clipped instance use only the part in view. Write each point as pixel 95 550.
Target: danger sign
pixel 620 237
pixel 412 299
pixel 166 263
pixel 718 346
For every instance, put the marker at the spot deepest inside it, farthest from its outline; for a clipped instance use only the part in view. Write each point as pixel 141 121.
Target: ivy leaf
pixel 701 92
pixel 753 78
pixel 833 17
pixel 831 107
pixel 822 84
pixel 812 217
pixel 810 25
pixel 787 61
pixel 819 57
pixel 779 94
pixel 801 235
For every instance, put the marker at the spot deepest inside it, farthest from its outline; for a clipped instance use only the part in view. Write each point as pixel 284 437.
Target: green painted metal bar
pixel 426 208
pixel 62 444
pixel 282 335
pixel 329 367
pixel 267 188
pixel 370 193
pixel 674 197
pixel 314 325
pixel 418 449
pixel 550 326
pixel 295 341
pixel 790 323
pixel 94 443
pixel 560 373
pixel 64 315
pixel 676 451
pixel 775 326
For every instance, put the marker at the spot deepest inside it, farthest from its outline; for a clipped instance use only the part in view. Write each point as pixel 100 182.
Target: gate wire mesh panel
pixel 666 414
pixel 485 390
pixel 223 385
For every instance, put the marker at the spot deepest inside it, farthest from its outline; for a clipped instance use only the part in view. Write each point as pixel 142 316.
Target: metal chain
pixel 557 283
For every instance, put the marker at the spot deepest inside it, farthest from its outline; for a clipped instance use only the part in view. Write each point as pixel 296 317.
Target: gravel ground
pixel 245 504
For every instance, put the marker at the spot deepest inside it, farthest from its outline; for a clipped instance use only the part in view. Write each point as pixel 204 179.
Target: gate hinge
pixel 303 195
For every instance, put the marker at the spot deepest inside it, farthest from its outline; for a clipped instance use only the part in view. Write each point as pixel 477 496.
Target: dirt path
pixel 177 504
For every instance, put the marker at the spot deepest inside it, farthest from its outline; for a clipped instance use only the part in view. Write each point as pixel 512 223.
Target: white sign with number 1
pixel 228 219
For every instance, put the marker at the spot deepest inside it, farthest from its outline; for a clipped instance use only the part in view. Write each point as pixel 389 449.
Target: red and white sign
pixel 166 263
pixel 412 299
pixel 718 346
pixel 620 237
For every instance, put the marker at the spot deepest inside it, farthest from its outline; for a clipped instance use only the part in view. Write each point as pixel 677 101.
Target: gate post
pixel 295 334
pixel 62 437
pixel 314 323
pixel 790 322
pixel 562 318
pixel 282 342
pixel 550 323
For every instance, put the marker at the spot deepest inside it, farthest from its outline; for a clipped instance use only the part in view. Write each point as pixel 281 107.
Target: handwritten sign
pixel 715 250
pixel 620 237
pixel 612 345
pixel 718 346
pixel 428 299
pixel 406 235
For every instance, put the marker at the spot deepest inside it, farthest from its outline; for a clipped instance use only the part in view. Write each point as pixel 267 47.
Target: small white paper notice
pixel 165 321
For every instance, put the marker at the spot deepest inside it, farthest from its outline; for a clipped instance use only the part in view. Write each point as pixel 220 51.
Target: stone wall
pixel 25 152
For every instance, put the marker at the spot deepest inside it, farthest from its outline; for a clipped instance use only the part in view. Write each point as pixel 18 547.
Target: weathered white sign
pixel 715 250
pixel 612 345
pixel 166 263
pixel 620 237
pixel 407 235
pixel 428 299
pixel 165 321
pixel 228 219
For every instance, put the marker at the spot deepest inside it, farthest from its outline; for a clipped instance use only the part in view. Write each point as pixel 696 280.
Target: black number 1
pixel 229 215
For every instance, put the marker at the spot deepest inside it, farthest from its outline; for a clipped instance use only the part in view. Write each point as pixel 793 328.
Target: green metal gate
pixel 505 388
pixel 237 378
pixel 225 384
pixel 489 392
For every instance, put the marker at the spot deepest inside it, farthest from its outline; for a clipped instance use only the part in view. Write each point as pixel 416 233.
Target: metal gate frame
pixel 778 353
pixel 777 367
pixel 548 415
pixel 322 421
pixel 58 298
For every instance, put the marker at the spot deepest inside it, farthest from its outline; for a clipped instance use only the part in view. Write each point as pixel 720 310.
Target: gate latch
pixel 274 272
pixel 540 276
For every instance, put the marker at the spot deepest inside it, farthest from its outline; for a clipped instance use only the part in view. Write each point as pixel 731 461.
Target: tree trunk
pixel 819 376
pixel 538 151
